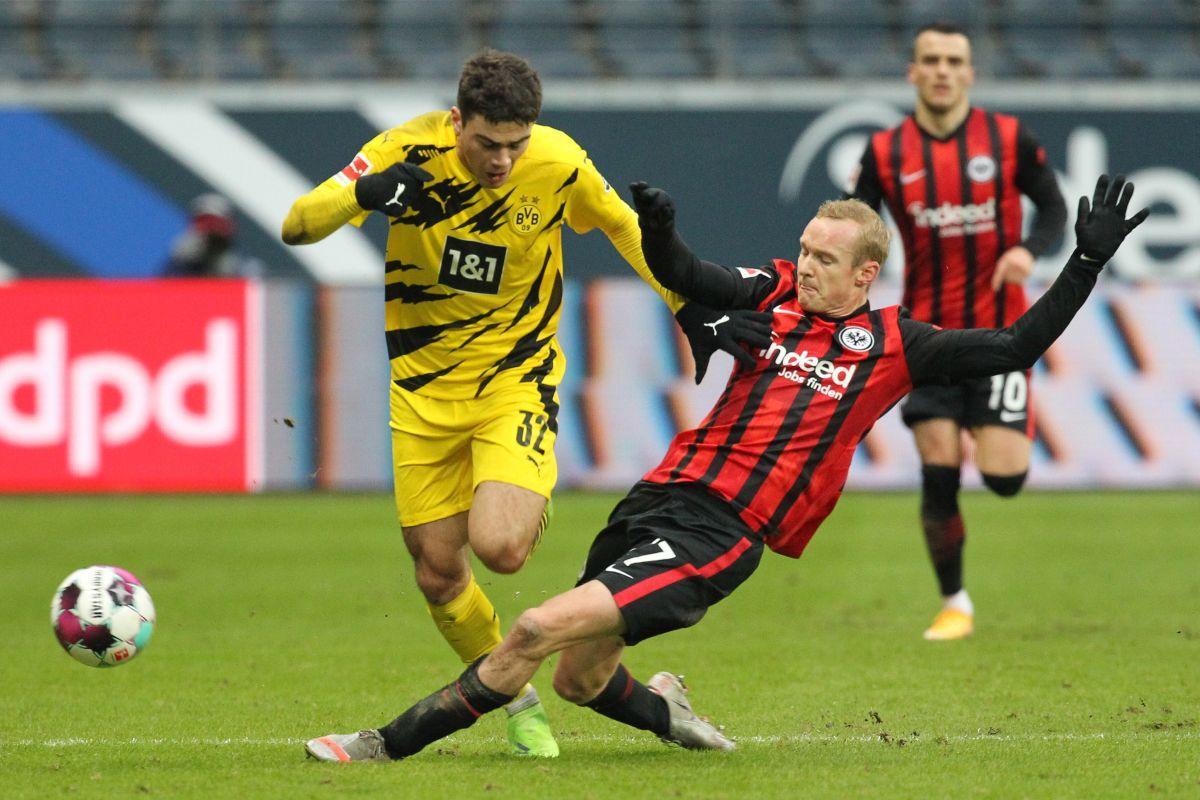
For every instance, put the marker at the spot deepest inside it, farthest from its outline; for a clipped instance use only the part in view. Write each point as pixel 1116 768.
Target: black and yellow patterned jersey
pixel 474 275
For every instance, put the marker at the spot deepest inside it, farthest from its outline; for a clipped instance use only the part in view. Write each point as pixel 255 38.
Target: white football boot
pixel 362 746
pixel 687 729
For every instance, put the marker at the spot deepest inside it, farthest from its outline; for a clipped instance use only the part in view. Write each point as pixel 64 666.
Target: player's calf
pixel 451 708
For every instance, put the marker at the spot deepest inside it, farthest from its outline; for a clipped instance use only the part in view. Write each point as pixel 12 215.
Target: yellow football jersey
pixel 474 275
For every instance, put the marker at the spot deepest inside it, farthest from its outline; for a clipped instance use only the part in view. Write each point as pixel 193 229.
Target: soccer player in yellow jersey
pixel 477 197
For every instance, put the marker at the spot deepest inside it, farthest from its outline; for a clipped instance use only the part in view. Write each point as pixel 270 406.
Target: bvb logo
pixel 526 218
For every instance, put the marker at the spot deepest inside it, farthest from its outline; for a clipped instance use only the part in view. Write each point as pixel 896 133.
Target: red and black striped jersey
pixel 957 203
pixel 778 444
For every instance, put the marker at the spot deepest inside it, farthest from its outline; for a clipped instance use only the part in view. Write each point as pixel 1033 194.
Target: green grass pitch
pixel 287 617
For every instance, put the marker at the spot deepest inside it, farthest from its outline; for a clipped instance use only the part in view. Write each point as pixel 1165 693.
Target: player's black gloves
pixel 1100 229
pixel 708 331
pixel 392 190
pixel 655 209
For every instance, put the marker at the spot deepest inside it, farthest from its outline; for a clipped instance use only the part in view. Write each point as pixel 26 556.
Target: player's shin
pixel 626 700
pixel 468 623
pixel 451 708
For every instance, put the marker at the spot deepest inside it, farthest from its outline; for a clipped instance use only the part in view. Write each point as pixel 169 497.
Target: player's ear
pixel 456 120
pixel 868 271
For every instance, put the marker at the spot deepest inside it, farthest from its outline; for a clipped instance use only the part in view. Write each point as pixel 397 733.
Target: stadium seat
pixel 424 14
pixel 847 14
pixel 423 52
pixel 745 52
pixel 1157 53
pixel 1067 53
pixel 1148 16
pixel 550 52
pixel 916 13
pixel 320 40
pixel 101 39
pixel 548 32
pixel 17 60
pixel 748 13
pixel 863 53
pixel 1039 13
pixel 649 39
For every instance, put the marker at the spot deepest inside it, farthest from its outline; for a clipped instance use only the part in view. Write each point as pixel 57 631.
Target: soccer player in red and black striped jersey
pixel 764 468
pixel 952 176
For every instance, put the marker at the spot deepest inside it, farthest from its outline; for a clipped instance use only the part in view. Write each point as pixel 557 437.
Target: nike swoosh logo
pixel 619 572
pixel 1011 416
pixel 906 179
pixel 785 311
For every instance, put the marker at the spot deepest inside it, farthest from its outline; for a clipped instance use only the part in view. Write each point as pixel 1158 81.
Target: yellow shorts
pixel 443 449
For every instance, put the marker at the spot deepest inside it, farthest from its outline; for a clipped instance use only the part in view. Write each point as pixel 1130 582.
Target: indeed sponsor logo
pixel 809 369
pixel 947 214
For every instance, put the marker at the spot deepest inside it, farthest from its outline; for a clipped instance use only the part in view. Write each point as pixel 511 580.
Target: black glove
pixel 655 208
pixel 1100 230
pixel 708 331
pixel 392 190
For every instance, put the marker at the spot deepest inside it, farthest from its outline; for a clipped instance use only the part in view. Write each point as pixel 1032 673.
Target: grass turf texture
pixel 287 617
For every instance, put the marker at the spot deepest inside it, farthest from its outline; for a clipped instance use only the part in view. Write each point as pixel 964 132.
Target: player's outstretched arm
pixel 330 206
pixel 319 213
pixel 670 260
pixel 675 266
pixel 1100 228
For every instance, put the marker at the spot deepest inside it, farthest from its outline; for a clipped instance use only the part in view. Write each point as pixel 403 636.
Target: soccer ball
pixel 102 616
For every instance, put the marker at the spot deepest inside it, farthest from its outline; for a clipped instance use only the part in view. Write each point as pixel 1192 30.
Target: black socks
pixel 943 525
pixel 630 702
pixel 447 710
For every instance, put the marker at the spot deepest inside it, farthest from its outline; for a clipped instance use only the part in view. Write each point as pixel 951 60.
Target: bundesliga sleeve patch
pixel 752 272
pixel 354 170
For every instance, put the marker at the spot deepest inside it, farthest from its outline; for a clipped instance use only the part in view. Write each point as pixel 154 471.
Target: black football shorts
pixel 669 552
pixel 974 402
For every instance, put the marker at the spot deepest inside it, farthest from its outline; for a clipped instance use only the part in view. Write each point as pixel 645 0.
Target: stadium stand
pixel 130 40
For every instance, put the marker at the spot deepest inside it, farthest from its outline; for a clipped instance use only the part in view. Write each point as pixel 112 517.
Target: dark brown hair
pixel 501 87
pixel 948 28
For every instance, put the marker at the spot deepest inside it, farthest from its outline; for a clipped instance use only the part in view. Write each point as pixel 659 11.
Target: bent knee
pixel 575 688
pixel 503 557
pixel 440 585
pixel 529 631
pixel 1005 485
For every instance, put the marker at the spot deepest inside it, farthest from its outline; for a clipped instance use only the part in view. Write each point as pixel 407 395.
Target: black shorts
pixel 974 402
pixel 667 554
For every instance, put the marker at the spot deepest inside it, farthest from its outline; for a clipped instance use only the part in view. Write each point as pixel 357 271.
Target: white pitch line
pixel 800 738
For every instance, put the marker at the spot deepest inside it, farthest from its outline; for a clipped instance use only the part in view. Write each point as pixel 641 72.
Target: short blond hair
pixel 873 235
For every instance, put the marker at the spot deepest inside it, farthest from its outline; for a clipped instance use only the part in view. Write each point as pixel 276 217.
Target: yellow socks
pixel 468 622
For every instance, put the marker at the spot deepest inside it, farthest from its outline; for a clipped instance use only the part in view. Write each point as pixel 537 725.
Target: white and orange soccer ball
pixel 102 616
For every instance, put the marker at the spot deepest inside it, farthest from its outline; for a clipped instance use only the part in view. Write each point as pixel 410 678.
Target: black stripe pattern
pixel 972 265
pixel 829 434
pixel 402 341
pixel 530 343
pixel 1001 244
pixel 490 218
pixel 754 400
pixel 779 443
pixel 935 242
